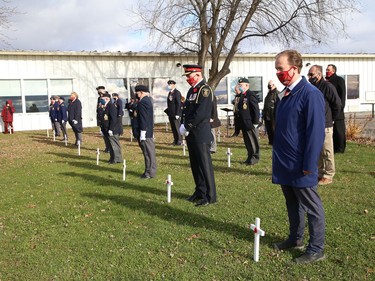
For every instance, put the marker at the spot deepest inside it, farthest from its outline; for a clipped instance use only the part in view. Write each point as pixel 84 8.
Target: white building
pixel 30 78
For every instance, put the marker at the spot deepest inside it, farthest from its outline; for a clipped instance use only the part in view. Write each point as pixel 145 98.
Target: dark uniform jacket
pixel 197 113
pixel 145 116
pixel 75 113
pixel 174 104
pixel 268 112
pixel 332 101
pixel 248 109
pixel 108 119
pixel 119 107
pixel 62 113
pixel 339 84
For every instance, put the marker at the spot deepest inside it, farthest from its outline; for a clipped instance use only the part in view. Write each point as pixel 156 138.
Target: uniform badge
pixel 170 97
pixel 206 92
pixel 192 97
pixel 244 106
pixel 105 117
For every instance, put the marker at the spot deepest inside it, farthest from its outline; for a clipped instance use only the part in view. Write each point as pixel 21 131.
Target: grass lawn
pixel 63 217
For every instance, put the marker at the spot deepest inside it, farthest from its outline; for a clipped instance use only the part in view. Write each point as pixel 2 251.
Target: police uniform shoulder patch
pixel 206 92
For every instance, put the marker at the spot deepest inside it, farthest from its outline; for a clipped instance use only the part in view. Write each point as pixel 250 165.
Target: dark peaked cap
pixel 191 68
pixel 100 88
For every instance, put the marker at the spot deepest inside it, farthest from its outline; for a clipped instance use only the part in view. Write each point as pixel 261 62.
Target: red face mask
pixel 191 80
pixel 284 77
pixel 329 74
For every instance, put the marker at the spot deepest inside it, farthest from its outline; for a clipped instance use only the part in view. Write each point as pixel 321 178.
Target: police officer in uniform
pixel 197 130
pixel 174 111
pixel 248 110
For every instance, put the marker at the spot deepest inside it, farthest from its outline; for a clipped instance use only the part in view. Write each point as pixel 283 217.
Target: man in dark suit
pixel 174 111
pixel 75 116
pixel 339 129
pixel 196 127
pixel 248 111
pixel 145 119
pixel 110 128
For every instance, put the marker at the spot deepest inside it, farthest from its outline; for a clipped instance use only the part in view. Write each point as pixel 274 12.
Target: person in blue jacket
pixel 145 119
pixel 63 117
pixel 298 140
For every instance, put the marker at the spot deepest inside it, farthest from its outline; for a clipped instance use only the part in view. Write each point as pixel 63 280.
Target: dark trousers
pixel 270 128
pixel 63 129
pixel 301 201
pixel 202 170
pixel 251 139
pixel 339 136
pixel 148 149
pixel 119 120
pixel 175 126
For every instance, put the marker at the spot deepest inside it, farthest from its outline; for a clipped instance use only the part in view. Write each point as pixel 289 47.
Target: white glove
pixel 55 120
pixel 143 136
pixel 101 133
pixel 183 131
pixel 62 121
pixel 110 133
pixel 75 122
pixel 177 117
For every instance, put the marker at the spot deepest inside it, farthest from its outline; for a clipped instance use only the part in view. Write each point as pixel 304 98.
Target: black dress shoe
pixel 145 177
pixel 287 244
pixel 111 162
pixel 202 202
pixel 193 198
pixel 310 257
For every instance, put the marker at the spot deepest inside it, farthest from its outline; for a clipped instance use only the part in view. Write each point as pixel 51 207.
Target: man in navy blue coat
pixel 145 119
pixel 63 117
pixel 298 140
pixel 197 130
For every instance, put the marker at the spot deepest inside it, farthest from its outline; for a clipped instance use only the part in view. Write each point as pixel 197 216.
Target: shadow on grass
pixel 179 217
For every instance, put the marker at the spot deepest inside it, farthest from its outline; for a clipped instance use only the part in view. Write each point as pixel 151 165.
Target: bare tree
pixel 6 12
pixel 214 28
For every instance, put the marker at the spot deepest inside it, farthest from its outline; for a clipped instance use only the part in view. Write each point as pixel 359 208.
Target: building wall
pixel 90 69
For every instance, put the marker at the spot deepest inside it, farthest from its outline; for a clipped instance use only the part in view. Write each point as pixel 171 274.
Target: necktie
pixel 287 91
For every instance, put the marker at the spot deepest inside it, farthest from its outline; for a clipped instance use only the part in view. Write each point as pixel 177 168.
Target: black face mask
pixel 313 80
pixel 269 87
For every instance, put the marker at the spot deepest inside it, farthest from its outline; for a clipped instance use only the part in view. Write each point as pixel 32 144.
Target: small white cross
pixel 169 184
pixel 97 156
pixel 229 154
pixel 257 233
pixel 124 171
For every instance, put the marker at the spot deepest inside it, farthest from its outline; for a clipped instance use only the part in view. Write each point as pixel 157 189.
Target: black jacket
pixel 332 101
pixel 197 113
pixel 145 116
pixel 339 84
pixel 174 104
pixel 108 119
pixel 75 113
pixel 248 109
pixel 268 112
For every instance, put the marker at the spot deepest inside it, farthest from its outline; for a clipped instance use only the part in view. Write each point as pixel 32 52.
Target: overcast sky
pixel 105 25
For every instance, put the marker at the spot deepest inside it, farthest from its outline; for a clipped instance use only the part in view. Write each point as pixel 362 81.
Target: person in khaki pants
pixel 326 164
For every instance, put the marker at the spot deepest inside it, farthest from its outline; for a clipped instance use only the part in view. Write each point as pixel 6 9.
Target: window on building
pixel 137 81
pixel 352 86
pixel 61 88
pixel 221 92
pixel 255 86
pixel 36 95
pixel 11 90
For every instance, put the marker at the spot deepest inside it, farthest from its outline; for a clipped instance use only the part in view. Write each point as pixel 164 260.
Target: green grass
pixel 62 217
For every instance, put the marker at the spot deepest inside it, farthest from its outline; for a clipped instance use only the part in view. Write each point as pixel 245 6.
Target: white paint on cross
pixel 124 171
pixel 169 184
pixel 257 233
pixel 229 154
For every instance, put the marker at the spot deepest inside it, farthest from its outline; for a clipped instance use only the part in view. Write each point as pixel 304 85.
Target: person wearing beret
pixel 120 111
pixel 62 117
pixel 145 120
pixel 174 111
pixel 75 117
pixel 197 130
pixel 248 111
pixel 110 129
